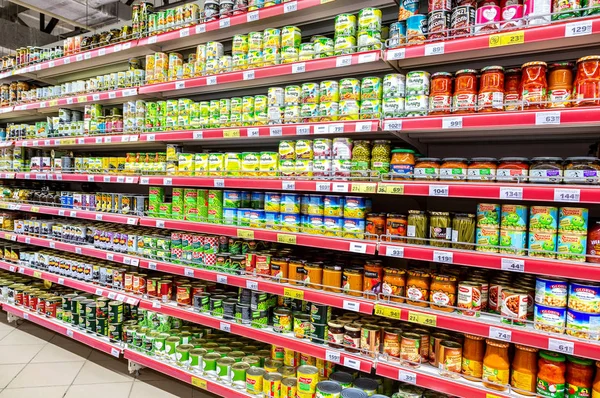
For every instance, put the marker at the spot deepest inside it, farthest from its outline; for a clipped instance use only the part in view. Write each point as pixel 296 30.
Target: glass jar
pixel 417 227
pixel 534 86
pixel 426 169
pixel 587 82
pixel 443 292
pixel 496 365
pixel 380 157
pixel 546 170
pixel 513 169
pixel 352 337
pixel 373 276
pixel 361 158
pixel 440 229
pixel 560 85
pixel 417 288
pixel 402 163
pixel 473 353
pixel 465 91
pixel 332 278
pixel 491 91
pixel 551 374
pixel 394 283
pixel 313 275
pixel 352 281
pixel 374 225
pixel 596 387
pixel 482 169
pixel 453 169
pixel 580 376
pixel 440 93
pixel 335 334
pixel 582 170
pixel 395 225
pixel 524 369
pixel 463 231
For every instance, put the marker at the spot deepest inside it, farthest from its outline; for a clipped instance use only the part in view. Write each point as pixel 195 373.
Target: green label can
pixel 224 369
pixel 209 362
pixel 171 345
pixel 160 343
pixel 238 375
pixel 182 354
pixel 196 359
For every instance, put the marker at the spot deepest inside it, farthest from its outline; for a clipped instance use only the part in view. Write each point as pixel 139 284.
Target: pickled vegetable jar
pixel 551 374
pixel 463 231
pixel 453 169
pixel 465 91
pixel 560 85
pixel 426 169
pixel 534 86
pixel 587 82
pixel 417 227
pixel 491 91
pixel 402 163
pixel 440 229
pixel 580 374
pixel 482 169
pixel 496 365
pixel 512 89
pixel 512 169
pixel 380 156
pixel 440 93
pixel 524 369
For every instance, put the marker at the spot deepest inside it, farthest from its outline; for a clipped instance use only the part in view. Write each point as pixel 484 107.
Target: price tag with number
pixel 286 239
pixel 407 377
pixel 98 292
pixel 323 187
pixel 199 29
pixel 222 279
pixel 248 75
pixel 567 195
pixel 112 295
pixel 368 57
pixel 302 130
pixel 252 285
pixel 70 333
pixel 167 181
pixel 332 356
pixel 392 125
pixel 395 54
pixel 115 352
pixel 392 251
pixel 512 264
pixel 500 334
pixel 290 6
pixel 275 131
pixel 351 305
pixel 443 257
pixel 189 272
pixel 224 23
pixel 299 67
pixel 578 29
pixel 293 293
pixel 363 127
pixel 393 189
pixel 179 85
pixel 152 265
pixel 511 193
pixel 226 327
pixel 288 185
pixel 434 49
pixel 565 347
pixel 245 234
pixel 422 319
pixel 438 190
pixel 252 16
pixel 211 80
pixel 253 132
pixel 452 122
pixel 344 60
pixel 219 183
pixel 25 316
pixel 110 256
pixel 387 311
pixel 156 304
pixel 185 32
pixel 544 118
pixel 200 383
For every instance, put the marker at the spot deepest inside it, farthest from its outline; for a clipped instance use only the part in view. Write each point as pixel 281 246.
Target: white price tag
pixel 222 279
pixel 112 295
pixel 253 132
pixel 52 245
pixel 98 217
pixel 185 32
pixel 332 356
pixel 90 178
pixel 43 104
pixel 544 118
pixel 226 327
pixel 120 179
pixel 189 272
pixel 98 292
pixel 290 7
pixel 96 97
pixel 154 39
pixel 434 49
pixel 251 285
pixel 98 140
pixel 152 265
pixel 144 180
pixel 396 54
pixel 288 185
pixel 67 61
pixel 106 178
pixel 363 127
pixel 219 183
pixel 224 23
pixel 135 262
pixel 252 16
pixel 70 100
pixel 275 131
pixel 302 130
pixel 51 64
pixel 129 180
pixel 443 257
pixel 131 300
pixel 117 48
pixel 578 29
pixel 130 92
pixel 565 347
pixel 211 80
pixel 112 95
pixel 344 60
pixel 567 195
pixel 197 135
pixel 79 57
pixel 351 305
pixel 352 363
pixel 131 221
pixel 438 190
pixel 323 187
pixel 512 264
pixel 127 260
pixel 200 29
pixel 21 270
pixel 102 52
pixel 126 46
pixel 27 240
pixel 511 193
pixel 120 297
pixel 394 251
pixel 72 214
pixel 167 181
pixel 40 176
pixel 369 57
pixel 61 281
pixel 115 352
pixel 248 75
pixel 47 142
pixel 179 85
pixel 321 129
pixel 299 67
pixel 11 268
pixel 407 377
pixel 70 333
pixel 455 122
pixel 340 187
pixel 160 224
pixel 25 316
pixel 78 250
pixel 357 247
pixel 500 334
pixel 337 128
pixel 156 304
pixel 392 125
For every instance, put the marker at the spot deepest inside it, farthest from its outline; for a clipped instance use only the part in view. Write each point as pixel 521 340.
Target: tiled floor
pixel 37 363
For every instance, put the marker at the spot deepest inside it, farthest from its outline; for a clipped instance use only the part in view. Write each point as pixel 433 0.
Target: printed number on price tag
pixel 253 132
pixel 184 32
pixel 438 190
pixel 222 279
pixel 434 49
pixel 251 285
pixel 511 193
pixel 342 61
pixel 567 195
pixel 70 333
pixel 442 257
pixel 500 334
pixel 302 130
pixel 452 123
pixel 323 187
pixel 252 16
pixel 219 183
pixel 290 7
pixel 25 315
pixel 396 54
pixel 160 224
pixel 179 85
pixel 578 29
pixel 565 347
pixel 275 131
pixel 299 68
pixel 152 265
pixel 512 264
pixel 543 118
pixel 407 377
pixel 392 251
pixel 211 80
pixel 332 356
pixel 199 29
pixel 392 125
pixel 226 327
pixel 248 75
pixel 189 272
pixel 288 185
pixel 224 23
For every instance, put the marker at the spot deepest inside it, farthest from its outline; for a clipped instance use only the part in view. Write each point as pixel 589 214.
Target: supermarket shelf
pixel 81 214
pixel 506 262
pixel 99 343
pixel 130 139
pixel 354 64
pixel 323 242
pixel 117 179
pixel 7 176
pixel 577 33
pixel 183 375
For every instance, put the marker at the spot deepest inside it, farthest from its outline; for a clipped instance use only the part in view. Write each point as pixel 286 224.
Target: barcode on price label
pixel 565 347
pixel 226 327
pixel 578 29
pixel 543 118
pixel 352 363
pixel 511 193
pixel 407 377
pixel 567 195
pixel 500 334
pixel 332 356
pixel 512 264
pixel 357 247
pixel 351 305
pixel 392 251
pixel 443 257
pixel 452 123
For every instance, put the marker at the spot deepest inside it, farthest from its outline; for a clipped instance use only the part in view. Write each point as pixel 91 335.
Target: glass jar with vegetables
pixel 361 157
pixel 551 374
pixel 440 229
pixel 463 231
pixel 417 227
pixel 496 365
pixel 380 157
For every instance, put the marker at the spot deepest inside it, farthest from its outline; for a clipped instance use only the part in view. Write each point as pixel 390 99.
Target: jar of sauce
pixel 417 288
pixel 546 170
pixel 580 375
pixel 582 170
pixel 443 292
pixel 426 169
pixel 402 163
pixel 440 93
pixel 375 225
pixel 524 370
pixel 313 276
pixel 296 271
pixel 352 337
pixel 396 225
pixel 394 284
pixel 587 82
pixel 465 91
pixel 551 374
pixel 482 169
pixel 596 387
pixel 335 334
pixel 496 365
pixel 352 281
pixel 491 91
pixel 513 169
pixel 453 169
pixel 534 86
pixel 373 277
pixel 332 278
pixel 560 85
pixel 473 353
pixel 512 89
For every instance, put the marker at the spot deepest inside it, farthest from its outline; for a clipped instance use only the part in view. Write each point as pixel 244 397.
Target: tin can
pixel 410 348
pixel 308 377
pixel 416 29
pixel 345 25
pixel 514 306
pixel 469 298
pixel 254 380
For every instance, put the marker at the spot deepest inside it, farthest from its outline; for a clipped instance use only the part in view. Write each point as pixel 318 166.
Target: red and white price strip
pixel 511 193
pixel 251 285
pixel 219 183
pixel 351 305
pixel 352 363
pixel 394 251
pixel 222 279
pixel 407 377
pixel 396 54
pixel 544 118
pixel 500 334
pixel 434 49
pixel 567 195
pixel 332 356
pixel 225 326
pixel 512 264
pixel 115 352
pixel 443 257
pixel 562 346
pixel 578 29
pixel 452 122
pixel 189 272
pixel 438 190
pixel 357 247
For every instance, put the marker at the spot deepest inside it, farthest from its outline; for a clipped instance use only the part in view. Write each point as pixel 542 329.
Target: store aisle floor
pixel 38 363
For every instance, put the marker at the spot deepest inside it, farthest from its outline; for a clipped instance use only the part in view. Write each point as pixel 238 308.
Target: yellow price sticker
pixel 245 234
pixel 231 133
pixel 7 236
pixel 34 209
pixel 285 238
pixel 422 319
pixel 363 188
pixel 82 98
pixel 200 383
pixel 387 311
pixel 392 189
pixel 53 103
pixel 293 293
pixel 69 141
pixel 488 395
pixel 37 274
pixel 3 205
pixel 507 39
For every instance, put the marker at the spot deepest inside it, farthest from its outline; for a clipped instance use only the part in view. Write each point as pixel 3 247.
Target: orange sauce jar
pixel 513 169
pixel 440 93
pixel 482 169
pixel 373 278
pixel 395 225
pixel 465 91
pixel 512 89
pixel 427 169
pixel 332 278
pixel 587 82
pixel 496 365
pixel 443 292
pixel 534 86
pixel 313 275
pixel 352 281
pixel 394 284
pixel 375 225
pixel 491 91
pixel 473 352
pixel 454 169
pixel 551 374
pixel 296 272
pixel 417 288
pixel 596 387
pixel 560 85
pixel 524 370
pixel 580 376
pixel 279 269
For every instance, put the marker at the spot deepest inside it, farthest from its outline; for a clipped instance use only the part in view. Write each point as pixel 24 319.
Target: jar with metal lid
pixel 402 163
pixel 417 228
pixel 587 83
pixel 352 337
pixel 394 284
pixel 463 231
pixel 335 334
pixel 332 278
pixel 380 157
pixel 482 169
pixel 440 93
pixel 417 288
pixel 396 225
pixel 560 85
pixel 465 91
pixel 426 169
pixel 352 281
pixel 582 170
pixel 440 229
pixel 546 170
pixel 534 86
pixel 453 169
pixel 443 292
pixel 512 92
pixel 361 157
pixel 513 169
pixel 491 90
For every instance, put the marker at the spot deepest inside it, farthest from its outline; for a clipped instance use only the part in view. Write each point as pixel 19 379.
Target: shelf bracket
pixel 12 317
pixel 134 367
pixel 416 143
